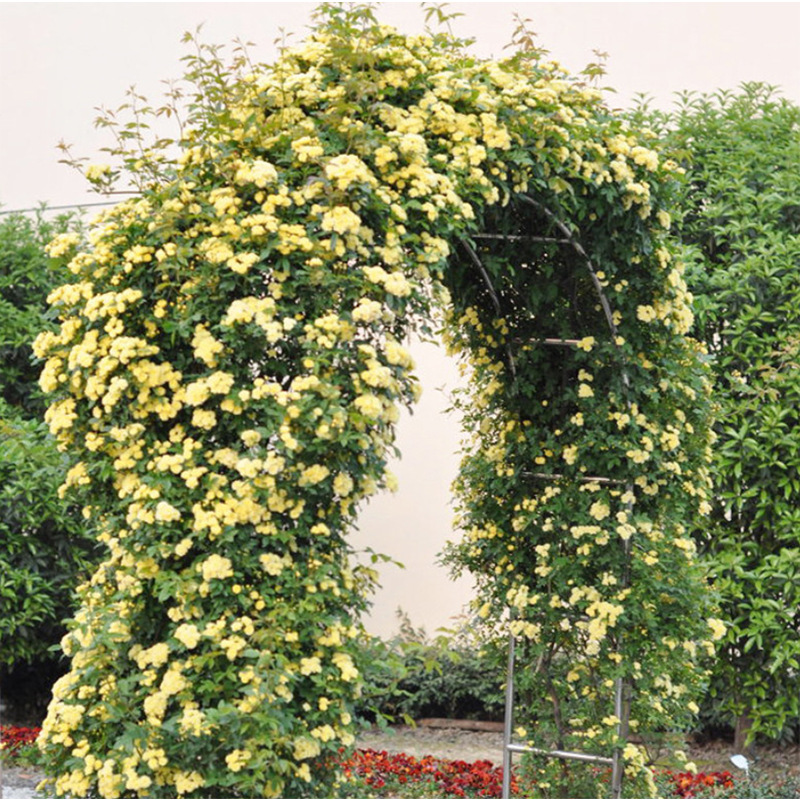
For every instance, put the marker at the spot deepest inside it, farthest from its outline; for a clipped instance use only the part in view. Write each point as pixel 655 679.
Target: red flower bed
pixel 687 784
pixel 379 769
pixel 443 778
pixel 12 737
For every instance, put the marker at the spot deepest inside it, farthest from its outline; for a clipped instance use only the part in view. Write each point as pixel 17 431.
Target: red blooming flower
pixel 452 778
pixel 685 784
pixel 447 778
pixel 13 737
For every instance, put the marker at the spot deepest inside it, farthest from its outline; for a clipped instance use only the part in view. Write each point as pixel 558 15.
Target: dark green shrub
pixel 741 152
pixel 44 545
pixel 26 278
pixel 44 551
pixel 453 675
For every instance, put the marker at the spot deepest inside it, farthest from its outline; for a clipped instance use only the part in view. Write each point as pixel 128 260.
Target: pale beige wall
pixel 413 524
pixel 60 60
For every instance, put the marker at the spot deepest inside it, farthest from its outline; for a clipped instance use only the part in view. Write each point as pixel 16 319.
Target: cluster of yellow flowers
pixel 228 373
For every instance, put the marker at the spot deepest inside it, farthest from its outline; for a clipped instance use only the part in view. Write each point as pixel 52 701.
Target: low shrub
pixel 723 784
pixel 45 551
pixel 45 543
pixel 453 674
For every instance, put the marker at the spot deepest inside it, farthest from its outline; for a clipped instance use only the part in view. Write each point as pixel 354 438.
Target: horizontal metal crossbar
pixel 511 237
pixel 567 342
pixel 555 476
pixel 565 754
pixel 551 341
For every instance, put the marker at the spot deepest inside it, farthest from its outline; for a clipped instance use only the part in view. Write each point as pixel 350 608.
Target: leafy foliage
pixel 742 223
pixel 44 545
pixel 26 278
pixel 453 674
pixel 227 374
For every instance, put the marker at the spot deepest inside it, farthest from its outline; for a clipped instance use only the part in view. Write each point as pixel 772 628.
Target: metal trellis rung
pixel 615 761
pixel 555 476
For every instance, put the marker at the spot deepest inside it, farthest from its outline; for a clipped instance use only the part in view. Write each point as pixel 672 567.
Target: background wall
pixel 59 61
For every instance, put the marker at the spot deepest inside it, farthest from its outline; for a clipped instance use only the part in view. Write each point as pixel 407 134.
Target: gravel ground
pixel 450 743
pixel 20 782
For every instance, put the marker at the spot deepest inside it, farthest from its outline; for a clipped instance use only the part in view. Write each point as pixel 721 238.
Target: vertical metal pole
pixel 508 720
pixel 617 766
pixel 622 707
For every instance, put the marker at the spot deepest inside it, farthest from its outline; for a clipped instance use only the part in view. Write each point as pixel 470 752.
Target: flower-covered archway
pixel 227 378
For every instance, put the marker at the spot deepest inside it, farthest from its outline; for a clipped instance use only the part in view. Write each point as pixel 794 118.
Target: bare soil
pixel 449 743
pixel 779 762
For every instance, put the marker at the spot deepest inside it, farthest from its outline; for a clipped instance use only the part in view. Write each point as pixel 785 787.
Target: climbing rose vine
pixel 228 373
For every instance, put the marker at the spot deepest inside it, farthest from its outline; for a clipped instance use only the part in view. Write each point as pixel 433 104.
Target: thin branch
pixel 550 341
pixel 578 247
pixel 557 718
pixel 495 299
pixel 485 275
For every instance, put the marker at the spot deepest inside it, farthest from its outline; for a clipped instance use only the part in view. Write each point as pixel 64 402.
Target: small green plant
pixel 26 756
pixel 757 784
